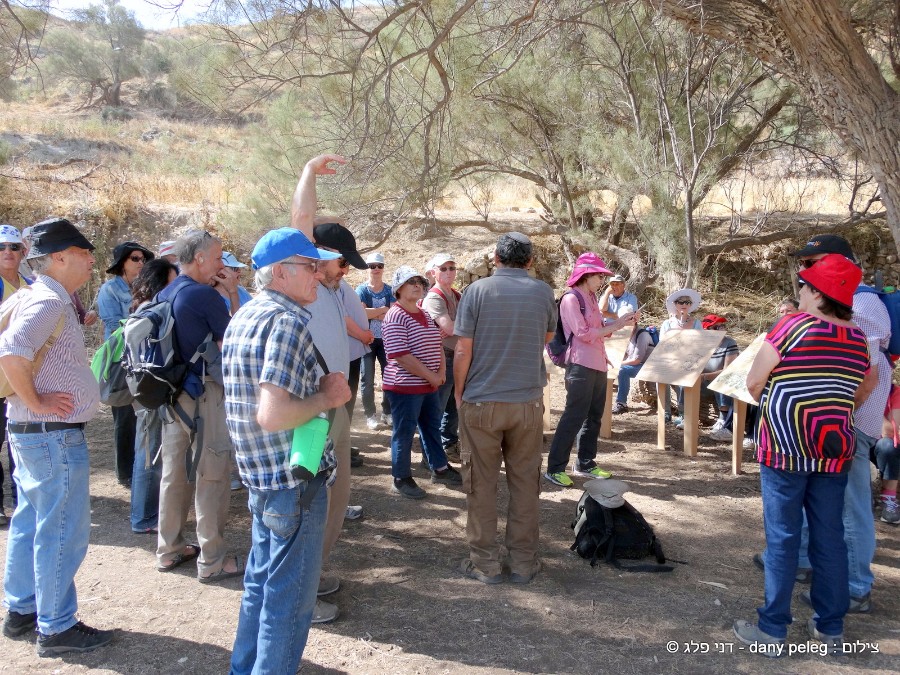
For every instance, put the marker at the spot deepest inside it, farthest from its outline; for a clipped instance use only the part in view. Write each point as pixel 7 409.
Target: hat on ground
pixel 607 492
pixel 438 260
pixel 10 235
pixel 281 244
pixel 826 243
pixel 54 235
pixel 402 275
pixel 167 248
pixel 835 277
pixel 124 250
pixel 375 259
pixel 231 261
pixel 683 293
pixel 711 320
pixel 587 263
pixel 338 237
pixel 617 277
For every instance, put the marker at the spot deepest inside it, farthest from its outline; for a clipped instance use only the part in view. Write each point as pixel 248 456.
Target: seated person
pixel 614 299
pixel 640 346
pixel 886 456
pixel 725 353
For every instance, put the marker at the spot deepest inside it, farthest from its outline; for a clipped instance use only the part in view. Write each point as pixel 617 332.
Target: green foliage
pixel 105 52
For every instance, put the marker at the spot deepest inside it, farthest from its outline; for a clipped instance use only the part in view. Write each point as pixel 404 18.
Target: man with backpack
pixel 196 424
pixel 503 323
pixel 47 410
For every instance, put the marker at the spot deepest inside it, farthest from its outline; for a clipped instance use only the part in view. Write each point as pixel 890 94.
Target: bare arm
pixel 354 331
pixel 279 410
pixel 413 366
pixel 462 360
pixel 604 304
pixel 867 386
pixel 763 364
pixel 376 312
pixel 303 205
pixel 19 372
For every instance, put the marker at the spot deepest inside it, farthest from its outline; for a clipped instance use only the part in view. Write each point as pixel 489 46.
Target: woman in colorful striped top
pixel 806 377
pixel 413 374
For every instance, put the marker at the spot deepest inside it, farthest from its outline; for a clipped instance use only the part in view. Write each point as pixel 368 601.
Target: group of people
pixel 465 371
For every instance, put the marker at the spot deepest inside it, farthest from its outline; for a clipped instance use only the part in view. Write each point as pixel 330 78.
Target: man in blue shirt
pixel 200 319
pixel 269 365
pixel 615 298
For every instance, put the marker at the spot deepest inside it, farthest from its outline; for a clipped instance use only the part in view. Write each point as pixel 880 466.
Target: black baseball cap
pixel 338 237
pixel 826 243
pixel 54 235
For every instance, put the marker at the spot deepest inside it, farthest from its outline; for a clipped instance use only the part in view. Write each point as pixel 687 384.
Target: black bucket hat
pixel 54 235
pixel 122 251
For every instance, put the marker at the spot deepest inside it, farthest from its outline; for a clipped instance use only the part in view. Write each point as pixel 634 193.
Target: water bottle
pixel 307 447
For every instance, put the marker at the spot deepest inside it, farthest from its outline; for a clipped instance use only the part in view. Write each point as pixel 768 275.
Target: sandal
pixel 221 575
pixel 180 558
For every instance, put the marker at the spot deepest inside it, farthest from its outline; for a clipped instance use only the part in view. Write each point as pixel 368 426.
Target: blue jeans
pixel 409 412
pixel 580 421
pixel 886 457
pixel 367 378
pixel 145 476
pixel 450 418
pixel 626 373
pixel 48 534
pixel 280 581
pixel 859 525
pixel 785 495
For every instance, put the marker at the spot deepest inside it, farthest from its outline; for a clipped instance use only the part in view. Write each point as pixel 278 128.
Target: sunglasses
pixel 11 247
pixel 806 264
pixel 343 263
pixel 683 302
pixel 375 266
pixel 448 268
pixel 137 258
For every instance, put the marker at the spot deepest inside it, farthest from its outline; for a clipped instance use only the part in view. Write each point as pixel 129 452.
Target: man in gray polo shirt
pixel 503 323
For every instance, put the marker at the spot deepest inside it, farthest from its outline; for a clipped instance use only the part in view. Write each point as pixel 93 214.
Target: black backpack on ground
pixel 607 534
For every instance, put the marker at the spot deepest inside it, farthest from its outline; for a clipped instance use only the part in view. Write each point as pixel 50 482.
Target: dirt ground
pixel 404 608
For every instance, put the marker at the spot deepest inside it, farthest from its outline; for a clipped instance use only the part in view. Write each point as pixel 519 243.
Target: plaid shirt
pixel 267 342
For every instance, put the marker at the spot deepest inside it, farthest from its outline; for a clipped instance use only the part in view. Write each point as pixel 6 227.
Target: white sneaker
pixel 353 512
pixel 386 420
pixel 749 444
pixel 718 425
pixel 720 434
pixel 372 422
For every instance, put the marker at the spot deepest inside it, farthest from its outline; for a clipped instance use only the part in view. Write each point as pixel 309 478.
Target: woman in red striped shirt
pixel 411 379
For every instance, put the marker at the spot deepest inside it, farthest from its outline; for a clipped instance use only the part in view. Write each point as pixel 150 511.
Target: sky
pixel 148 15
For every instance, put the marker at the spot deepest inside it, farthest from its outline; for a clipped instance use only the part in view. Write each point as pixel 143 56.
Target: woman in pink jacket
pixel 585 371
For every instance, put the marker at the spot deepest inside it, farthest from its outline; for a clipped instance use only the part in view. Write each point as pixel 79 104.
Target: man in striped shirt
pixel 48 536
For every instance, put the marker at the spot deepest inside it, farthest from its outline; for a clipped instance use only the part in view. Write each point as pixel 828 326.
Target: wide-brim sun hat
pixel 835 276
pixel 587 263
pixel 10 235
pixel 683 293
pixel 125 249
pixel 711 320
pixel 283 243
pixel 402 275
pixel 607 492
pixel 54 235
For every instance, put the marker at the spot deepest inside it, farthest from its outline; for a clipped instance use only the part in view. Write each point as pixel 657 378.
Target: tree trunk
pixel 813 43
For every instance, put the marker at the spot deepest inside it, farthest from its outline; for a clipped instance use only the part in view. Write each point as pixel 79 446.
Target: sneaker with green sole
pixel 590 472
pixel 559 478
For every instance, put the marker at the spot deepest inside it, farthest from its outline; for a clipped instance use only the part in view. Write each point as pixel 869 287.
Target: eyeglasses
pixel 137 258
pixel 314 266
pixel 448 268
pixel 374 266
pixel 11 247
pixel 343 263
pixel 683 302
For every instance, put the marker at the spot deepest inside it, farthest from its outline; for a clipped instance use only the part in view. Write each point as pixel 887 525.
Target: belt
pixel 42 427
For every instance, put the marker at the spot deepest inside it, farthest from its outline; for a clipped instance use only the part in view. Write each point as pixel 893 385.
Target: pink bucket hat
pixel 587 263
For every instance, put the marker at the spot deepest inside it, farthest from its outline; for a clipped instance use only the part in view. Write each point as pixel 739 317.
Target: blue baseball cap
pixel 281 244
